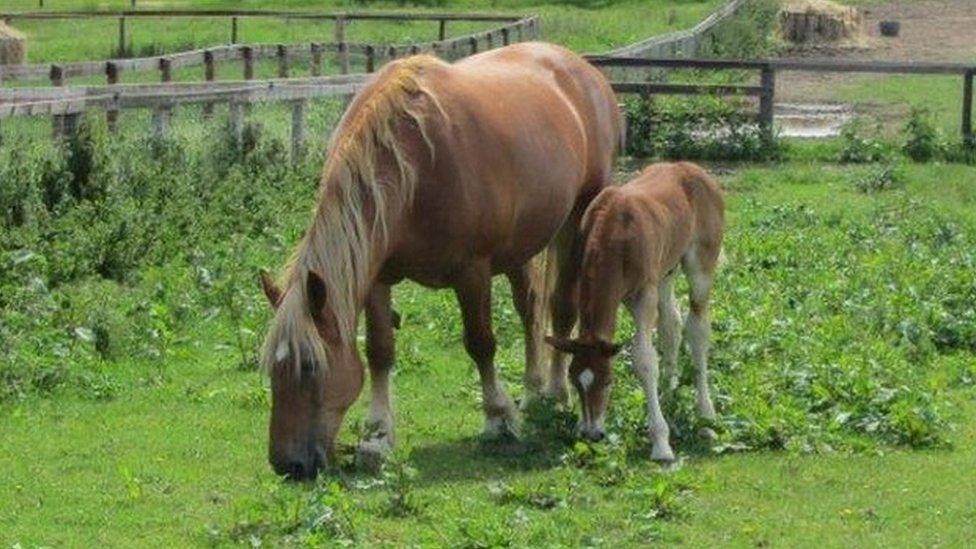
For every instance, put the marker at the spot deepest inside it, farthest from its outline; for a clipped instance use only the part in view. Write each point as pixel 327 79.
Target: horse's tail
pixel 542 284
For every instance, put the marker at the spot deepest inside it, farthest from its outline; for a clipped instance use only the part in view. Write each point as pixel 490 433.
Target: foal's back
pixel 655 220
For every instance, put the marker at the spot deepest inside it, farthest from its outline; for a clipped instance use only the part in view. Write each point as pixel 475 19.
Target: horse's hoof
pixel 371 453
pixel 500 428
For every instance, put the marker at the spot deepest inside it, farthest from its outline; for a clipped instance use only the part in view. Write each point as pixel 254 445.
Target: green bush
pixel 700 128
pixel 861 144
pixel 923 142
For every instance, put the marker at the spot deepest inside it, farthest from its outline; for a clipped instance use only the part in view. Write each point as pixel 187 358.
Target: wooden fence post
pixel 233 30
pixel 297 130
pixel 111 115
pixel 489 42
pixel 967 108
pixel 370 58
pixel 442 30
pixel 209 73
pixel 505 38
pixel 768 85
pixel 282 54
pixel 340 39
pixel 474 45
pixel 161 114
pixel 316 67
pixel 122 37
pixel 63 125
pixel 248 54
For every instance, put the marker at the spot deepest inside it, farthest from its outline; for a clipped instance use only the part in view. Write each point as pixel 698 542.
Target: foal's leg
pixel 525 296
pixel 473 290
pixel 380 354
pixel 565 301
pixel 669 332
pixel 645 366
pixel 699 271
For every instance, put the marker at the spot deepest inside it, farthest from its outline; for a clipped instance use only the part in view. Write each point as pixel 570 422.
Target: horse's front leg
pixel 380 352
pixel 473 291
pixel 526 298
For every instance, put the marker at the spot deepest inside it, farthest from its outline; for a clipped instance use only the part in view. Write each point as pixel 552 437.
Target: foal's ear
pixel 565 345
pixel 610 349
pixel 318 306
pixel 271 291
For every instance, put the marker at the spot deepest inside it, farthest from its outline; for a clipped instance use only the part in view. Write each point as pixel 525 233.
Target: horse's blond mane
pixel 338 244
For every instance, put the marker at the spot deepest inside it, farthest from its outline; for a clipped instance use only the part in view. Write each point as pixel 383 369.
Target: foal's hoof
pixel 371 453
pixel 662 454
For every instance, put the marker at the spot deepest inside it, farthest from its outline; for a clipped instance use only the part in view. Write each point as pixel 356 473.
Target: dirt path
pixel 943 30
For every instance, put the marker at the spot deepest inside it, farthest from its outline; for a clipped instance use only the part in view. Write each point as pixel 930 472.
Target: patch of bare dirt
pixel 931 30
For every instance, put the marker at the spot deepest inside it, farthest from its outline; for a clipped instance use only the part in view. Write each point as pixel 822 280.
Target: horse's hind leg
pixel 473 291
pixel 699 266
pixel 669 332
pixel 525 296
pixel 380 354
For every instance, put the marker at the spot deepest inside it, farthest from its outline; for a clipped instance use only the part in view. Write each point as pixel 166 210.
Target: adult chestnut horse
pixel 445 174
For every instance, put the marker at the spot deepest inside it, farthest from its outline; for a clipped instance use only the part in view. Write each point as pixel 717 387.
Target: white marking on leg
pixel 645 367
pixel 586 379
pixel 669 332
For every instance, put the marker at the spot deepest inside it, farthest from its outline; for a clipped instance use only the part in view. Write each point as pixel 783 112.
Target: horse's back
pixel 520 136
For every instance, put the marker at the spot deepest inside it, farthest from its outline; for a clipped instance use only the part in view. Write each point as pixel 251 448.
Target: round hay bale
pixel 13 45
pixel 818 21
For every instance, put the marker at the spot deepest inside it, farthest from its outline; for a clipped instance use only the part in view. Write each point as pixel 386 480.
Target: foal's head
pixel 315 378
pixel 591 374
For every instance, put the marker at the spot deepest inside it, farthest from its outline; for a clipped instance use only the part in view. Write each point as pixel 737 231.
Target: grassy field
pixel 845 353
pixel 132 414
pixel 583 26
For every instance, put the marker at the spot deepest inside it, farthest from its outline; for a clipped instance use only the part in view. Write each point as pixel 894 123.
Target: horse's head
pixel 592 375
pixel 315 377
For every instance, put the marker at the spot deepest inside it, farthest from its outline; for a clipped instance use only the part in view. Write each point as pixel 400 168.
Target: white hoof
pixel 662 452
pixel 371 453
pixel 500 427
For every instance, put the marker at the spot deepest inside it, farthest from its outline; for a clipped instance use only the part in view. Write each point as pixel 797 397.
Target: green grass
pixel 164 443
pixel 579 25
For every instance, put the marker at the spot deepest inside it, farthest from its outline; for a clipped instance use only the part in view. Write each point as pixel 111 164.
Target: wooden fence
pixel 766 90
pixel 516 29
pixel 686 43
pixel 66 103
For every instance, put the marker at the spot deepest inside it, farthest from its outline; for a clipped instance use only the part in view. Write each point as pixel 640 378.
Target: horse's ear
pixel 318 305
pixel 564 345
pixel 271 291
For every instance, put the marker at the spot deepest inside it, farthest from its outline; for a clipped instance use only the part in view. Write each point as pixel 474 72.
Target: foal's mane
pixel 351 215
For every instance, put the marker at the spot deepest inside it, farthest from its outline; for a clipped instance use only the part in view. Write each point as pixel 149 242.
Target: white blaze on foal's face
pixel 586 379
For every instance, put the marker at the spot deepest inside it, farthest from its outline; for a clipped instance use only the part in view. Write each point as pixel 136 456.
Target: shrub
pixel 923 141
pixel 701 128
pixel 879 178
pixel 861 145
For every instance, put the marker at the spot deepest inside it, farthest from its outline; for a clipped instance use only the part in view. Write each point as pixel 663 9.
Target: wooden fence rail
pixel 767 76
pixel 453 48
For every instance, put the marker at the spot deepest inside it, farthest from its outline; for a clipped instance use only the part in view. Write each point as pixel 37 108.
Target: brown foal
pixel 445 174
pixel 636 236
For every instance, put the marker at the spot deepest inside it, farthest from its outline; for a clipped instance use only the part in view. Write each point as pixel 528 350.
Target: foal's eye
pixel 308 367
